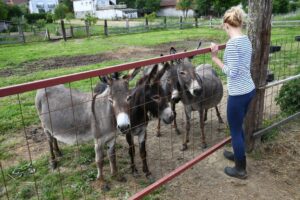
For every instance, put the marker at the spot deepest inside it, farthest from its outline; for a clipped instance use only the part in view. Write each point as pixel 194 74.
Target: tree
pixel 185 6
pixel 60 11
pixel 3 11
pixel 203 7
pixel 147 6
pixel 259 31
pixel 14 11
pixel 280 6
pixel 69 5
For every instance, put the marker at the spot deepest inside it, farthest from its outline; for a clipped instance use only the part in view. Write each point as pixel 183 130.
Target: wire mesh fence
pixel 72 112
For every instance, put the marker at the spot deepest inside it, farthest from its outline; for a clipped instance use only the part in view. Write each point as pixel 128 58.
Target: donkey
pixel 200 89
pixel 68 115
pixel 148 98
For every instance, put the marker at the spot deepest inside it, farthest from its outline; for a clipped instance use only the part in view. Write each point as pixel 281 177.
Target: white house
pixel 38 6
pixel 168 8
pixel 102 9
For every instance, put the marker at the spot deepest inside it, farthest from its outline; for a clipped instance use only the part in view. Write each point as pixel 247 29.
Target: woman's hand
pixel 214 50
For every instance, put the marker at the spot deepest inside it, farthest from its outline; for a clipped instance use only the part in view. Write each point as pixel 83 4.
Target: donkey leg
pixel 205 115
pixel 173 104
pixel 56 149
pixel 99 162
pixel 111 153
pixel 219 116
pixel 158 134
pixel 204 145
pixel 53 162
pixel 143 153
pixel 131 152
pixel 187 127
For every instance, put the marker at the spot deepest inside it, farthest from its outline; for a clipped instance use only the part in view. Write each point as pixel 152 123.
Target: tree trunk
pixel 259 31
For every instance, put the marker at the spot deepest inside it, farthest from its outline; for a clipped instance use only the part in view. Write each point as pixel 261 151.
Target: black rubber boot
pixel 239 171
pixel 228 155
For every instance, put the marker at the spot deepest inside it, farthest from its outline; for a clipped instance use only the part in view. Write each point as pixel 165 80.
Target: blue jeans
pixel 237 107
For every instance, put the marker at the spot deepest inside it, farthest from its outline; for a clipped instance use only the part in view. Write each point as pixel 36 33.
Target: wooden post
pixel 87 28
pixel 63 30
pixel 105 28
pixel 196 22
pixel 21 33
pixel 259 31
pixel 72 31
pixel 180 22
pixel 127 25
pixel 165 22
pixel 146 22
pixel 210 22
pixel 48 34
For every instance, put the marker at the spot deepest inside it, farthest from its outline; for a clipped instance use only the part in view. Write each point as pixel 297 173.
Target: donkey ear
pixel 173 50
pixel 199 45
pixel 161 72
pixel 152 76
pixel 132 73
pixel 115 76
pixel 103 79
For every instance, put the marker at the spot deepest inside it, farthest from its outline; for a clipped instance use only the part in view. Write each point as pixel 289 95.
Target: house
pixel 42 6
pixel 168 8
pixel 103 9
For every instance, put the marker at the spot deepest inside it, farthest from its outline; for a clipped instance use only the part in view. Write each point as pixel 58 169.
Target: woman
pixel 241 88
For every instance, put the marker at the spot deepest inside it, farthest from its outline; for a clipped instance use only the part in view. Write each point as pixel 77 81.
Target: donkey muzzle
pixel 123 122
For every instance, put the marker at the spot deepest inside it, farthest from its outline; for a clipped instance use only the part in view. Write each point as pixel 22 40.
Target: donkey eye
pixel 156 97
pixel 182 73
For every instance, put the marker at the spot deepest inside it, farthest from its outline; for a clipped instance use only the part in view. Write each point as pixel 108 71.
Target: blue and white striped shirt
pixel 237 59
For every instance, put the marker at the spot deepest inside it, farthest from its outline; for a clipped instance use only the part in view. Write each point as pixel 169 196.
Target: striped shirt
pixel 237 59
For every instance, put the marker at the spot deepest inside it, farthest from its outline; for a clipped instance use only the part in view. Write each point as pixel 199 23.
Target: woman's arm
pixel 232 67
pixel 214 55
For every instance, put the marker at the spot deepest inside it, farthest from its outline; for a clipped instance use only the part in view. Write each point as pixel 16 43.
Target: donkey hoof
pixel 105 187
pixel 59 154
pixel 158 134
pixel 136 174
pixel 184 147
pixel 121 179
pixel 177 132
pixel 53 164
pixel 150 178
pixel 203 145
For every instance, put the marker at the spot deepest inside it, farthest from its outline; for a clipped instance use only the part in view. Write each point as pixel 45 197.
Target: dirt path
pixel 274 173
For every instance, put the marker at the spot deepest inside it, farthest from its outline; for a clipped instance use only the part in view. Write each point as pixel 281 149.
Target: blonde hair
pixel 234 16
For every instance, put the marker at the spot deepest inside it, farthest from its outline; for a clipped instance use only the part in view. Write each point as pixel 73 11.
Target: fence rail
pixel 125 28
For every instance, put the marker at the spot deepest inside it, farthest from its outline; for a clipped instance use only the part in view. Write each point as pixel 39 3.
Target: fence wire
pixel 26 164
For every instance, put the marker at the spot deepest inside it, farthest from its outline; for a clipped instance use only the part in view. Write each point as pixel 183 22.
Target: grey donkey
pixel 199 89
pixel 71 116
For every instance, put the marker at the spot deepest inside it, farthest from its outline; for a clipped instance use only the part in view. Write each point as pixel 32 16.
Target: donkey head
pixel 119 97
pixel 188 79
pixel 154 96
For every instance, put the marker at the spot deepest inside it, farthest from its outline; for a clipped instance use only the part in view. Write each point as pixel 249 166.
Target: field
pixel 35 61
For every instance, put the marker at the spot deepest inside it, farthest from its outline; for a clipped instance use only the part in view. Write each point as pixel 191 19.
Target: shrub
pixel 49 17
pixel 151 17
pixel 32 18
pixel 289 97
pixel 40 23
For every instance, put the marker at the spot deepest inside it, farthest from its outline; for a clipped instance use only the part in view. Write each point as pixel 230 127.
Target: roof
pixel 16 2
pixel 166 3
